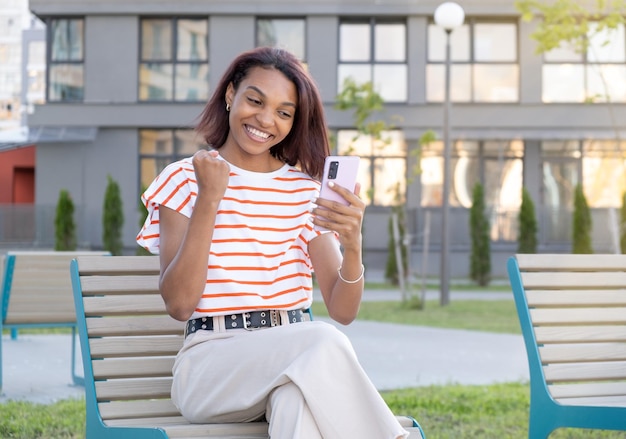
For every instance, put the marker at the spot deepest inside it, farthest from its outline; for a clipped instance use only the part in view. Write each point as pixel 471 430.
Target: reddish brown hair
pixel 307 144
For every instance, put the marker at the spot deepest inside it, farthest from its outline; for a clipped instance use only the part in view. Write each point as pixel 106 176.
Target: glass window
pixel 382 172
pixel 604 176
pixel 174 60
pixel 159 148
pixel 66 60
pixel 497 165
pixel 374 51
pixel 484 63
pixel 595 74
pixel 286 33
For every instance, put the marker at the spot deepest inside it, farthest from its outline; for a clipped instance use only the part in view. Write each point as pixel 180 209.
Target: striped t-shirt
pixel 259 257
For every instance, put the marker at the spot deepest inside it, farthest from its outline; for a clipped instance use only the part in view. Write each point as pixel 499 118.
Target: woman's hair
pixel 307 144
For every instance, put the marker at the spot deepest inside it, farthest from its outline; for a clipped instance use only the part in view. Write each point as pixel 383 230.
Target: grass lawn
pixel 444 412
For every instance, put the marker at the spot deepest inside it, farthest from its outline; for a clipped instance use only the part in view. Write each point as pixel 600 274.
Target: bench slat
pixel 579 390
pixel 94 285
pixel 544 298
pixel 135 346
pixel 600 371
pixel 128 389
pixel 180 425
pixel 583 353
pixel 119 265
pixel 571 262
pixel 602 401
pixel 132 367
pixel 137 409
pixel 580 334
pixel 133 326
pixel 124 305
pixel 565 316
pixel 574 280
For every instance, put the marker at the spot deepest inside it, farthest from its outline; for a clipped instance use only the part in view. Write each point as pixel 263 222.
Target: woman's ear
pixel 230 94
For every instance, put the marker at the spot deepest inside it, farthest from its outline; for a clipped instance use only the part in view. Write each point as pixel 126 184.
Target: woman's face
pixel 262 111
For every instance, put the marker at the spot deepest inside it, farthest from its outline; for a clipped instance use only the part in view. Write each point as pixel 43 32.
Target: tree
pixel 581 227
pixel 112 218
pixel 65 228
pixel 622 241
pixel 143 213
pixel 391 270
pixel 527 235
pixel 570 22
pixel 480 258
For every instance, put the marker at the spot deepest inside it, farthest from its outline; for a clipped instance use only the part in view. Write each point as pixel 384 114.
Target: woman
pixel 235 230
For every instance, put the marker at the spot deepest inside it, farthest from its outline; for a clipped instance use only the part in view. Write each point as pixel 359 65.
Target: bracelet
pixel 352 281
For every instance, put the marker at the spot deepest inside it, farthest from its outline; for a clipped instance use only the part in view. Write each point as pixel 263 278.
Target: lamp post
pixel 448 15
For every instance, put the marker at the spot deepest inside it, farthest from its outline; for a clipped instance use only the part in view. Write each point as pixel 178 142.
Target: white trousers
pixel 305 377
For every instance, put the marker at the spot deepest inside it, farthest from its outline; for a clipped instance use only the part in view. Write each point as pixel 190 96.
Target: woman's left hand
pixel 346 221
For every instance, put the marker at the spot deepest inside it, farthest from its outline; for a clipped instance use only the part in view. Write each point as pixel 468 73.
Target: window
pixel 497 165
pixel 382 171
pixel 592 75
pixel 374 51
pixel 484 63
pixel 66 60
pixel 286 33
pixel 604 176
pixel 159 148
pixel 174 60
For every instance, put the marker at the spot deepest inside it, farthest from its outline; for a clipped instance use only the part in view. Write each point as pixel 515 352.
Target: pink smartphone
pixel 343 170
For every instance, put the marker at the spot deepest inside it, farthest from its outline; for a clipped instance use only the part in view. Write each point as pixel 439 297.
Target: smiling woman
pixel 235 230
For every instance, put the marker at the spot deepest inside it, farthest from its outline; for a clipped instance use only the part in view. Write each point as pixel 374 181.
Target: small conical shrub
pixel 64 226
pixel 622 241
pixel 581 224
pixel 112 218
pixel 527 234
pixel 480 258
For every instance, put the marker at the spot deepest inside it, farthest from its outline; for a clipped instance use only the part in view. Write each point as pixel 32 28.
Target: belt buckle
pixel 246 321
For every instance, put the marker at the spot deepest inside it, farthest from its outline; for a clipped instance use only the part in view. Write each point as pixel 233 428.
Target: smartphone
pixel 343 170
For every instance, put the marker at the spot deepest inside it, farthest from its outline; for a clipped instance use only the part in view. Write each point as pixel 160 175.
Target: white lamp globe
pixel 449 15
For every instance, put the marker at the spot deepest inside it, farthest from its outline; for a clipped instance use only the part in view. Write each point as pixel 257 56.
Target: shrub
pixel 622 241
pixel 65 228
pixel 112 218
pixel 527 235
pixel 581 224
pixel 480 258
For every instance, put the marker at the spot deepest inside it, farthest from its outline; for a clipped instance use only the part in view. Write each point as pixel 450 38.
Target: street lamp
pixel 448 15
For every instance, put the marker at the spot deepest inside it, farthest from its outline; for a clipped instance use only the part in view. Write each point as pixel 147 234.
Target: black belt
pixel 248 320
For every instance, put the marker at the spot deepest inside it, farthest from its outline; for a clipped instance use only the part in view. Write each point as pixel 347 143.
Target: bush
pixel 112 218
pixel 581 227
pixel 391 270
pixel 622 241
pixel 480 258
pixel 527 235
pixel 65 228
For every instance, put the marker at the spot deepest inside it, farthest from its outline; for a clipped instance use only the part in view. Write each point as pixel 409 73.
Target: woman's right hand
pixel 211 174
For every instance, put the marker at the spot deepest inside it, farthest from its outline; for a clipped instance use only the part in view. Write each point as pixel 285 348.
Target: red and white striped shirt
pixel 259 257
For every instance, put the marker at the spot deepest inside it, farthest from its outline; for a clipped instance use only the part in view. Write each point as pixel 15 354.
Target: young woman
pixel 234 227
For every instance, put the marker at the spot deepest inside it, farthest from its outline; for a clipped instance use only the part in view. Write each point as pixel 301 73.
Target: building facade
pixel 126 81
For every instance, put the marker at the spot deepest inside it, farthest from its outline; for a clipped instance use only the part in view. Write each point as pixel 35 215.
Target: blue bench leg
pixel 78 380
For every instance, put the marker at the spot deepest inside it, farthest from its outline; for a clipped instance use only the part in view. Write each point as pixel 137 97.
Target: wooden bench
pixel 36 291
pixel 572 311
pixel 128 347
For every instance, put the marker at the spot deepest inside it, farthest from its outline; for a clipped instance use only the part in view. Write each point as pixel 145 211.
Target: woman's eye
pixel 284 114
pixel 254 101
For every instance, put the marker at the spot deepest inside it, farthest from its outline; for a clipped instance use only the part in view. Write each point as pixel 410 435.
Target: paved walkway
pixel 36 367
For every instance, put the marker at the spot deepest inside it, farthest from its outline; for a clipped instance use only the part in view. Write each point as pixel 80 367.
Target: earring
pixel 227 107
